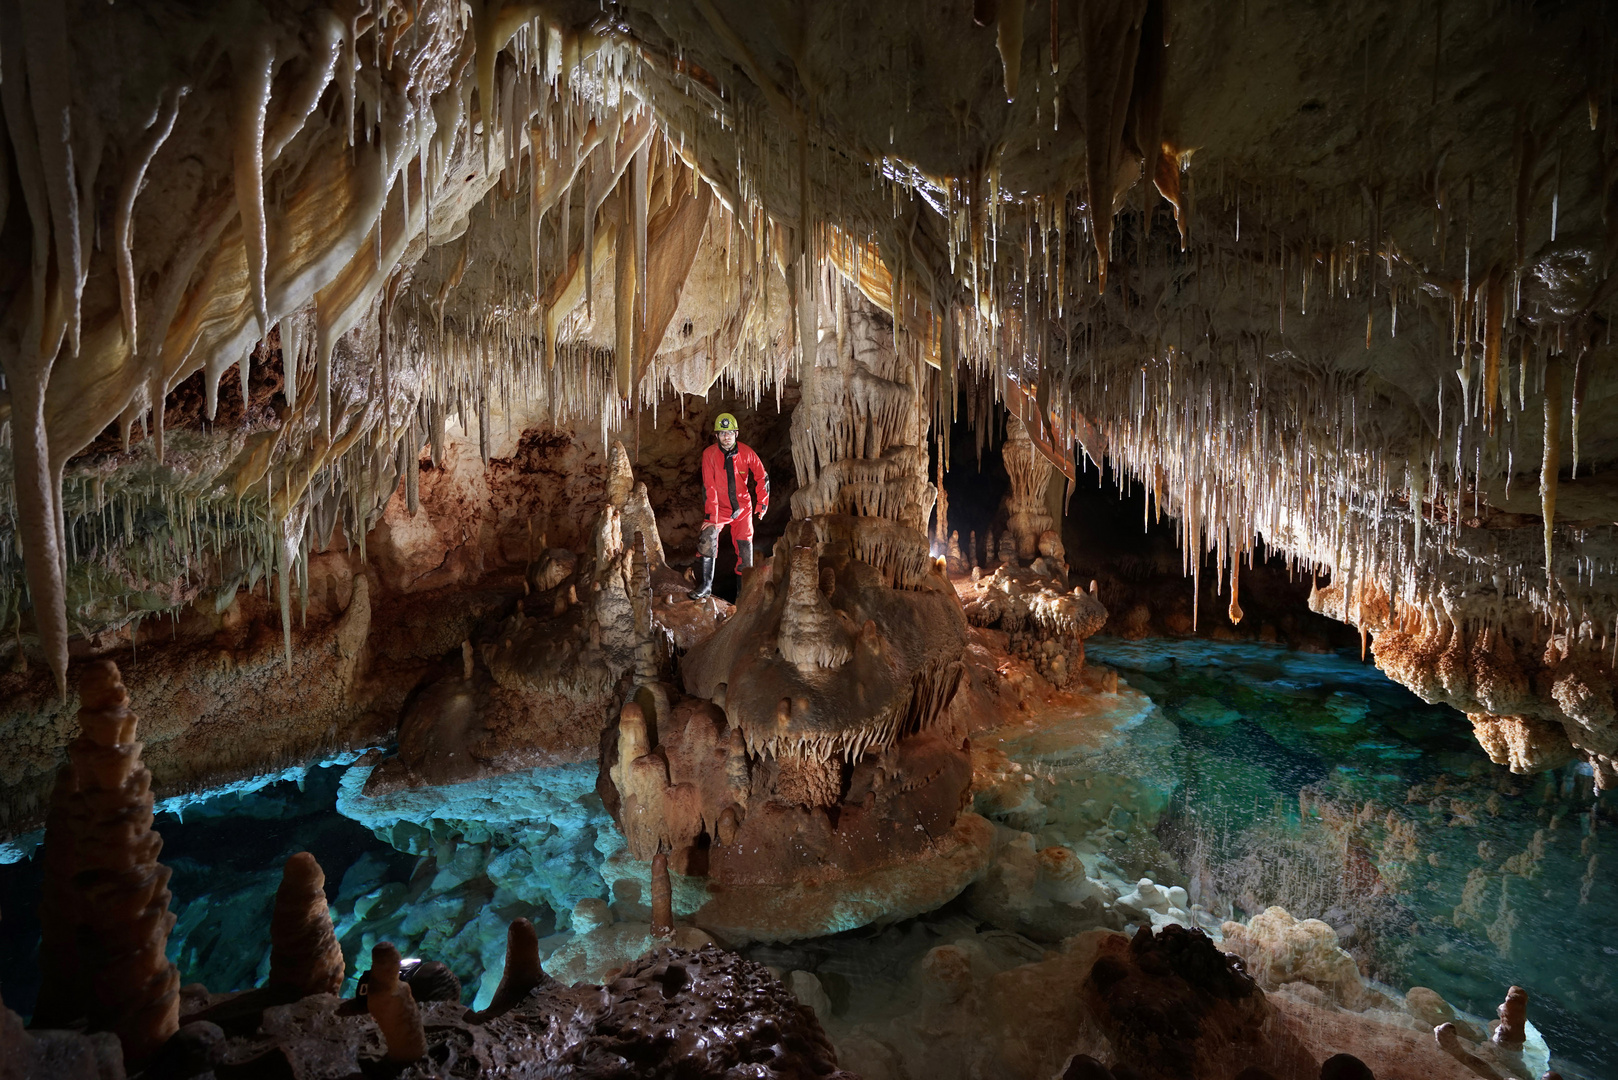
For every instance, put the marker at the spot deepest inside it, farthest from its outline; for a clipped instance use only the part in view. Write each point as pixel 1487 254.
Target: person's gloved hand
pixel 758 515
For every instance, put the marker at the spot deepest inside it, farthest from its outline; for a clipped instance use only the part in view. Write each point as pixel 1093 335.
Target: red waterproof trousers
pixel 726 498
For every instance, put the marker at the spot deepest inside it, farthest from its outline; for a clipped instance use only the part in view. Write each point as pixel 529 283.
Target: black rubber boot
pixel 704 587
pixel 744 555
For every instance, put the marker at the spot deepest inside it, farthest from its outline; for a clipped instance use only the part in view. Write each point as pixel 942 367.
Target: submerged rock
pixel 1279 949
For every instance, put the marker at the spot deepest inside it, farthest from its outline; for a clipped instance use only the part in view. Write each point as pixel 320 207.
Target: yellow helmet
pixel 726 422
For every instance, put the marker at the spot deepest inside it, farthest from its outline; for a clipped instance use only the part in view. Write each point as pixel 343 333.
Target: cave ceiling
pixel 1330 277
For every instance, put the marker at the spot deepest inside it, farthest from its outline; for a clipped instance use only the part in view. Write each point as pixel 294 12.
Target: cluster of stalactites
pixel 314 231
pixel 1240 447
pixel 895 549
pixel 433 112
pixel 885 487
pixel 1534 704
pixel 931 691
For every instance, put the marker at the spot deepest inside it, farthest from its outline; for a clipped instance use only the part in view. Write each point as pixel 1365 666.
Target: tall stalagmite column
pixel 859 434
pixel 105 916
pixel 1030 473
pixel 304 955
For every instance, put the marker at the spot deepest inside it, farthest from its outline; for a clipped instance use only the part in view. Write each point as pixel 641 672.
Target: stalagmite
pixel 662 897
pixel 105 919
pixel 304 955
pixel 811 634
pixel 1513 1012
pixel 393 1006
pixel 522 972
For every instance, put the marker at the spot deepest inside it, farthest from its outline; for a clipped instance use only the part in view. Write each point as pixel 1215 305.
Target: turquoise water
pixel 1438 867
pixel 1255 776
pixel 440 873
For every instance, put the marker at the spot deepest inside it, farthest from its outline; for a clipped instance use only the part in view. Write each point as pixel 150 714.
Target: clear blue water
pixel 1459 876
pixel 1440 868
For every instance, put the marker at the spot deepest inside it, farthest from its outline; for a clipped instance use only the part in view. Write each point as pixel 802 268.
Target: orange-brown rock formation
pixel 304 955
pixel 105 917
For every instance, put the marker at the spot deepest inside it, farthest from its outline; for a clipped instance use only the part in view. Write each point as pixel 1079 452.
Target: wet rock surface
pixel 675 1013
pixel 1173 1005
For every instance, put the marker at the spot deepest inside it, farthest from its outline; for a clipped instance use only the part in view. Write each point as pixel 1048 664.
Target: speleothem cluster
pixel 813 739
pixel 589 628
pixel 1363 320
pixel 691 1013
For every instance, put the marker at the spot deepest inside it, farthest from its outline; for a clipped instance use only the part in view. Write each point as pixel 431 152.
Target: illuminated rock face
pixel 590 627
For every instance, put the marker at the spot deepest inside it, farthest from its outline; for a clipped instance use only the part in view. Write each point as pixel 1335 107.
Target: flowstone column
pixel 1026 515
pixel 859 433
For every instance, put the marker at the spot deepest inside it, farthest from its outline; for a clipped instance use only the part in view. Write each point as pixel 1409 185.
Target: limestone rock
pixel 1428 1006
pixel 304 955
pixel 807 989
pixel 56 1055
pixel 1279 949
pixel 105 916
pixel 1173 1005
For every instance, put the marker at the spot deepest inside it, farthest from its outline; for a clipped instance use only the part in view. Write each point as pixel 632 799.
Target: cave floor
pixel 1247 775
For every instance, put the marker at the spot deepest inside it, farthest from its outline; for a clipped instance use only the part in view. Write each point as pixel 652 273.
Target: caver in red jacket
pixel 727 500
